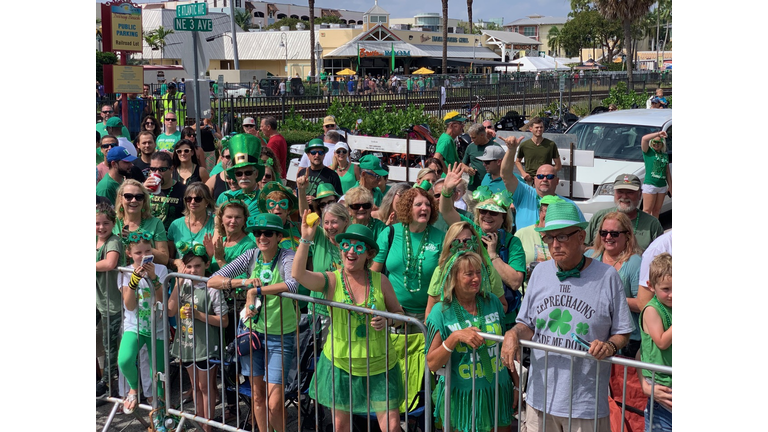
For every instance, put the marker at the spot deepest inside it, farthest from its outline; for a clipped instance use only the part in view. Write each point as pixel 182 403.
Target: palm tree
pixel 469 14
pixel 554 40
pixel 243 19
pixel 445 36
pixel 160 34
pixel 312 39
pixel 626 12
pixel 151 39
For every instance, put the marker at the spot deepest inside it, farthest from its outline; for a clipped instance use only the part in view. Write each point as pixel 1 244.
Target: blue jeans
pixel 279 358
pixel 662 418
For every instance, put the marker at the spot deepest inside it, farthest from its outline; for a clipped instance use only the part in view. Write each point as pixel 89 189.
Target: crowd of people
pixel 481 244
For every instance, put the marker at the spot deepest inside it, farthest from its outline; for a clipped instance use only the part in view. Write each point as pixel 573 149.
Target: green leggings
pixel 129 351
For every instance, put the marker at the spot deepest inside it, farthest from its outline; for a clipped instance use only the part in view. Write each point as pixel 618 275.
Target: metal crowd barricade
pixel 547 349
pixel 174 413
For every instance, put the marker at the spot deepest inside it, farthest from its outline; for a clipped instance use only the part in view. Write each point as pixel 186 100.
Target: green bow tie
pixel 574 272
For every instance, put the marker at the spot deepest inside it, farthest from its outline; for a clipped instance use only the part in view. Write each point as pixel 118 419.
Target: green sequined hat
pixel 325 190
pixel 245 151
pixel 498 202
pixel 265 222
pixel 293 202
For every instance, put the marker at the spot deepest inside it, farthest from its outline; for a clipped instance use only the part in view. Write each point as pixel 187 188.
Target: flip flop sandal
pixel 131 397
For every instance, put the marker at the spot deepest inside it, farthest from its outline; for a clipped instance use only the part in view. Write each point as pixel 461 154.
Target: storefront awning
pixel 376 49
pixel 460 52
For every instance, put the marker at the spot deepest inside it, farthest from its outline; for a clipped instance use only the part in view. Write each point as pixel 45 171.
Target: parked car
pixel 237 90
pixel 615 138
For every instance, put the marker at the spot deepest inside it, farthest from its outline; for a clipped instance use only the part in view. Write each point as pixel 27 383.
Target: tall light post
pixel 234 34
pixel 284 44
pixel 234 45
pixel 318 53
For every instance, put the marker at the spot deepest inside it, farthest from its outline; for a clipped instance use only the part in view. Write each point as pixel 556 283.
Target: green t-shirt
pixel 166 142
pixel 107 187
pixel 470 158
pixel 535 156
pixel 99 156
pixel 106 282
pixel 655 168
pixel 151 225
pixel 446 146
pixel 179 232
pixel 650 352
pixel 413 296
pixel 102 130
pixel 534 247
pixel 232 252
pixel 275 308
pixel 376 192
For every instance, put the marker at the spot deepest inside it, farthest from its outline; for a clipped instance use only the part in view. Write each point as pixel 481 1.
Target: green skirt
pixel 461 406
pixel 333 389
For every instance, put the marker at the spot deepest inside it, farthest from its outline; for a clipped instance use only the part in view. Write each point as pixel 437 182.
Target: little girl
pixel 109 254
pixel 139 296
pixel 201 310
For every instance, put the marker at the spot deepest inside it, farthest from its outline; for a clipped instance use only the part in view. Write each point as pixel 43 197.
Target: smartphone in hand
pixel 147 259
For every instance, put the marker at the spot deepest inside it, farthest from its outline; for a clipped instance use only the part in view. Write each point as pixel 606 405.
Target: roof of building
pixel 538 20
pixel 377 10
pixel 513 38
pixel 459 52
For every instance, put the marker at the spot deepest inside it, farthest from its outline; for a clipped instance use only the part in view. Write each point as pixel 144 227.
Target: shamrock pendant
pixel 360 331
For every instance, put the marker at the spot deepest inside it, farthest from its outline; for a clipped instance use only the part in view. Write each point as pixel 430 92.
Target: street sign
pixel 220 86
pixel 562 83
pixel 193 24
pixel 195 88
pixel 191 10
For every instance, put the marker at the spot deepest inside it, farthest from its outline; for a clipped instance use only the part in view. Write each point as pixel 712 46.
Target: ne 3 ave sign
pixel 193 24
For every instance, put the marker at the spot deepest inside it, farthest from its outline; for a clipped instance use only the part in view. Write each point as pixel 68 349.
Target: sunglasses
pixel 366 206
pixel 613 234
pixel 267 177
pixel 283 204
pixel 484 212
pixel 358 248
pixel 170 119
pixel 487 162
pixel 322 205
pixel 341 152
pixel 107 112
pixel 159 169
pixel 464 243
pixel 329 125
pixel 267 234
pixel 149 123
pixel 248 126
pixel 106 146
pixel 247 173
pixel 543 176
pixel 372 174
pixel 226 156
pixel 197 199
pixel 131 197
pixel 183 151
pixel 316 152
pixel 562 238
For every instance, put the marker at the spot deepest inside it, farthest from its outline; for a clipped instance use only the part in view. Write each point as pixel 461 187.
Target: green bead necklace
pixel 413 264
pixel 360 329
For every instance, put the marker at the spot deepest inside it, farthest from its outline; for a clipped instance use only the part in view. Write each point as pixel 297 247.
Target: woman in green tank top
pixel 356 354
pixel 349 173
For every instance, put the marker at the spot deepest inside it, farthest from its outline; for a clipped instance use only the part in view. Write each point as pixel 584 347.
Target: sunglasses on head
pixel 247 173
pixel 316 152
pixel 614 234
pixel 358 248
pixel 543 176
pixel 484 212
pixel 267 234
pixel 197 199
pixel 108 145
pixel 159 169
pixel 341 151
pixel 366 206
pixel 131 197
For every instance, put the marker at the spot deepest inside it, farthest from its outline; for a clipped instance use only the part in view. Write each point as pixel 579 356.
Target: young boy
pixel 656 326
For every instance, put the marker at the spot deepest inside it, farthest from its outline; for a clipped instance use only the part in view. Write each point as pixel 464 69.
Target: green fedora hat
pixel 270 187
pixel 245 151
pixel 372 163
pixel 325 190
pixel 361 233
pixel 562 215
pixel 265 222
pixel 315 143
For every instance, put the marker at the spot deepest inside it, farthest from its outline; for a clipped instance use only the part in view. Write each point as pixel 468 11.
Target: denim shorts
pixel 662 418
pixel 279 358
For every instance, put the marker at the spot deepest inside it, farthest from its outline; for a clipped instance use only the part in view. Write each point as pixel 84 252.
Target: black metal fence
pixel 525 93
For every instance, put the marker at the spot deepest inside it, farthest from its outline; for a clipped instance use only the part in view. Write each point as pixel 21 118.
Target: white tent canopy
pixel 534 64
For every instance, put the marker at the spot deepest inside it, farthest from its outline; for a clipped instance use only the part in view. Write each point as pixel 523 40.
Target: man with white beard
pixel 626 196
pixel 247 170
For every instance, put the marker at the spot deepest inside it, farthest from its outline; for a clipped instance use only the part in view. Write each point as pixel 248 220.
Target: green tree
pixel 157 36
pixel 103 58
pixel 554 41
pixel 243 19
pixel 151 39
pixel 626 12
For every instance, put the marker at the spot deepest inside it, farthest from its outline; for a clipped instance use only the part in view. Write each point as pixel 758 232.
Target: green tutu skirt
pixel 461 406
pixel 333 389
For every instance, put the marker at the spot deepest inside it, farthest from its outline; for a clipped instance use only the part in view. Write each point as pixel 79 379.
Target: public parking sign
pixel 193 24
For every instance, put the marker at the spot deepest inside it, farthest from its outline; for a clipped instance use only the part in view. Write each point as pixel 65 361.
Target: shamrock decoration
pixel 559 320
pixel 582 328
pixel 503 199
pixel 540 323
pixel 265 275
pixel 482 193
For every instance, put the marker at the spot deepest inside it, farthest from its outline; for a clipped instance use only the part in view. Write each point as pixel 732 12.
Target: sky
pixel 485 9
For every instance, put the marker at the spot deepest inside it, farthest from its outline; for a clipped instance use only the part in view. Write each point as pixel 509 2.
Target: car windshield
pixel 614 141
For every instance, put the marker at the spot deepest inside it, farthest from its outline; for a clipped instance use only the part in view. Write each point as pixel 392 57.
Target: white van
pixel 615 137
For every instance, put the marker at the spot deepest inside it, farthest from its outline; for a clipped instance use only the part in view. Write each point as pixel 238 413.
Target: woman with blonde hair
pixel 617 246
pixel 427 174
pixel 135 216
pixel 359 201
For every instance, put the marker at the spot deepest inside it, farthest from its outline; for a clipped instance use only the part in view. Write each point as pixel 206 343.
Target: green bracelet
pixel 448 195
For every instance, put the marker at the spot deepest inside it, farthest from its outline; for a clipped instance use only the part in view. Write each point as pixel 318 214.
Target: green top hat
pixel 245 150
pixel 315 143
pixel 562 215
pixel 265 222
pixel 270 187
pixel 372 163
pixel 325 190
pixel 359 232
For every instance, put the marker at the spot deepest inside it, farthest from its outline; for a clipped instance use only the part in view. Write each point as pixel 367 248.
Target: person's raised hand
pixel 218 247
pixel 452 177
pixel 308 232
pixel 513 142
pixel 208 243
